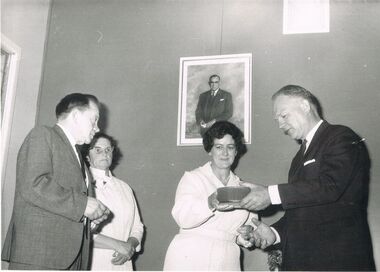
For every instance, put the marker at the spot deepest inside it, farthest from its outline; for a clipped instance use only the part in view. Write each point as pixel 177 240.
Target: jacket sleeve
pixel 38 181
pixel 340 166
pixel 198 111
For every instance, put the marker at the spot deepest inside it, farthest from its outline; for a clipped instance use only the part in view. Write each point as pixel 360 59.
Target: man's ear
pixel 74 114
pixel 305 105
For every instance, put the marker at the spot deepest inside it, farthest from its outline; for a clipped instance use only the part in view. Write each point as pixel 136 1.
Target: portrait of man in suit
pixel 54 202
pixel 213 105
pixel 214 88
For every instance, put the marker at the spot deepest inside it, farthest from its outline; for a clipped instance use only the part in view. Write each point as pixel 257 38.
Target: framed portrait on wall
pixel 214 88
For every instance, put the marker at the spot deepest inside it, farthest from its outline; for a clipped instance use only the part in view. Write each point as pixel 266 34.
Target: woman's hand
pixel 246 231
pixel 118 258
pixel 245 236
pixel 124 252
pixel 213 203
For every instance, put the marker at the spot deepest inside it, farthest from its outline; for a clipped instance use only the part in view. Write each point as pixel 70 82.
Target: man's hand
pixel 263 236
pixel 258 199
pixel 210 123
pixel 96 210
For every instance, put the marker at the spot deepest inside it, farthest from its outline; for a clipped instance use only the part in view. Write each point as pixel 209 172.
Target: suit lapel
pixel 299 159
pixel 71 150
pixel 67 142
pixel 315 142
pixel 296 162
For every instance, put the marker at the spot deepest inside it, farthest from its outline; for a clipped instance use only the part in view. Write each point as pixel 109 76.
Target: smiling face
pixel 100 156
pixel 291 115
pixel 223 152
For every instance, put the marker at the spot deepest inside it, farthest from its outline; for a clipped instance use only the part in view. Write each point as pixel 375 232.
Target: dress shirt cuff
pixel 278 239
pixel 274 194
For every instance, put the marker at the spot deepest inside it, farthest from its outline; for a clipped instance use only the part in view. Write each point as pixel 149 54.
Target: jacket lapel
pixel 71 150
pixel 299 159
pixel 315 142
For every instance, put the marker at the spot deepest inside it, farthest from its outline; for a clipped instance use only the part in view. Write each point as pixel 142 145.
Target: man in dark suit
pixel 213 105
pixel 54 200
pixel 325 200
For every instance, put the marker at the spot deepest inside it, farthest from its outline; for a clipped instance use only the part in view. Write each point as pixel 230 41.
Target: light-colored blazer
pixel 47 226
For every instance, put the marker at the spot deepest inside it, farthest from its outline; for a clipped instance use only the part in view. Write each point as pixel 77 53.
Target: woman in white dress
pixel 207 239
pixel 117 239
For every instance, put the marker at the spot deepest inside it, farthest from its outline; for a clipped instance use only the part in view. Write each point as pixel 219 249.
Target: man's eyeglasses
pixel 107 150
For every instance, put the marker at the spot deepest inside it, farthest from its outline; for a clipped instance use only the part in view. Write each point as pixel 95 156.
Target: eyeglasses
pixel 107 150
pixel 214 82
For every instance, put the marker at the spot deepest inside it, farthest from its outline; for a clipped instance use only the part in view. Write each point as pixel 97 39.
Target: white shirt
pixel 214 92
pixel 71 140
pixel 73 143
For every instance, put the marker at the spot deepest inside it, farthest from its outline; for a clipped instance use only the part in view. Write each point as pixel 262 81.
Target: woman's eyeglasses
pixel 107 150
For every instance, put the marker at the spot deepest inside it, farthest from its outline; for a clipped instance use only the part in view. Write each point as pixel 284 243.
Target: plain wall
pixel 30 35
pixel 127 53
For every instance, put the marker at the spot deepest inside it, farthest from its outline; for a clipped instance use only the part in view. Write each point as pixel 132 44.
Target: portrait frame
pixel 235 72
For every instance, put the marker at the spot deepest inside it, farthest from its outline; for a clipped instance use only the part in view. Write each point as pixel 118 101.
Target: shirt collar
pixel 312 132
pixel 100 175
pixel 215 92
pixel 68 135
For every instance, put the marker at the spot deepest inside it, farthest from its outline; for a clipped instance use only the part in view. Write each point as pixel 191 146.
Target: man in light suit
pixel 325 200
pixel 213 105
pixel 54 200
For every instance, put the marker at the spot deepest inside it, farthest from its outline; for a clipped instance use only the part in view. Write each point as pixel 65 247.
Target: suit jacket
pixel 47 225
pixel 325 222
pixel 217 107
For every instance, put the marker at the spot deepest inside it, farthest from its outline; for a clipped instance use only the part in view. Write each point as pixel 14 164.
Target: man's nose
pixel 281 123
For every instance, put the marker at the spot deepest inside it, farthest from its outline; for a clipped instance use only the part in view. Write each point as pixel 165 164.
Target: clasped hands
pixel 124 252
pixel 259 235
pixel 257 199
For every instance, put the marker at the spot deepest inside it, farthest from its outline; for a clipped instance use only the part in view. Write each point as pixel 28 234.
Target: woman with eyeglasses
pixel 208 237
pixel 117 239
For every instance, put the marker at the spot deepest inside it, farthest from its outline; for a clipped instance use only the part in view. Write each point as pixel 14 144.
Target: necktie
pixel 86 220
pixel 212 93
pixel 81 161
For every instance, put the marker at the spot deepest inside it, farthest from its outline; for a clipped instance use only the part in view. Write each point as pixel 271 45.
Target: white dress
pixel 119 198
pixel 206 239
